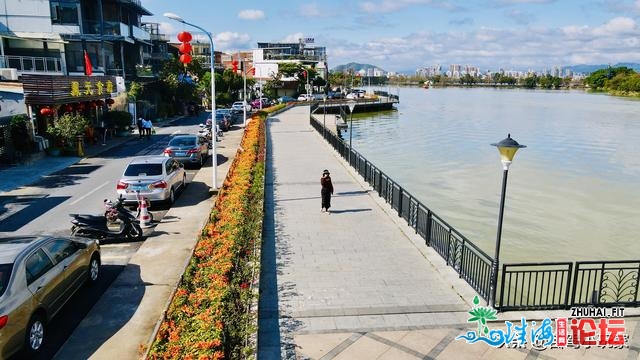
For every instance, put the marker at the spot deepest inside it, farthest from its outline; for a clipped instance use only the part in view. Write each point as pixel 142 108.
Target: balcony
pixel 32 65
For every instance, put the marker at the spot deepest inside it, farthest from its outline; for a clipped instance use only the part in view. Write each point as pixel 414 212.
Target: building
pixel 268 55
pixel 51 37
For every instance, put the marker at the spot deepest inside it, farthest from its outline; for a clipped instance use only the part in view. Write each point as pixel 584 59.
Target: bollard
pixel 145 217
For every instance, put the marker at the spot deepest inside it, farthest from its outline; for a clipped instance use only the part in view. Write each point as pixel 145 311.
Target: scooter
pixel 97 227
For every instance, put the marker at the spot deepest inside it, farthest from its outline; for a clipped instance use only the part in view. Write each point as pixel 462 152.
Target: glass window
pixel 143 170
pixel 60 249
pixel 5 273
pixel 37 265
pixel 64 12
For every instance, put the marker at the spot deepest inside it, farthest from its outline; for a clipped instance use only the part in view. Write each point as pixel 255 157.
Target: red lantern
pixel 68 108
pixel 80 106
pixel 234 63
pixel 45 111
pixel 110 101
pixel 184 36
pixel 185 58
pixel 92 104
pixel 100 103
pixel 185 48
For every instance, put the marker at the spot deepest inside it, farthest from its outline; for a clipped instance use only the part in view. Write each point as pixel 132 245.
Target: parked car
pixel 304 97
pixel 38 275
pixel 285 99
pixel 188 149
pixel 335 95
pixel 256 103
pixel 157 178
pixel 238 106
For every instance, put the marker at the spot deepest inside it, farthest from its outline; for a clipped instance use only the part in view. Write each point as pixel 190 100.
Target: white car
pixel 238 106
pixel 304 97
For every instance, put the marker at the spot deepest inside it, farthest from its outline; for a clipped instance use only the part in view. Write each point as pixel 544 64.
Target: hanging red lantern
pixel 99 102
pixel 185 48
pixel 110 101
pixel 80 106
pixel 184 36
pixel 92 104
pixel 185 58
pixel 68 108
pixel 45 111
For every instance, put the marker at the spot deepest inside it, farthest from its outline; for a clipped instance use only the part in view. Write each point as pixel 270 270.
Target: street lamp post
pixel 352 105
pixel 214 156
pixel 324 113
pixel 244 94
pixel 507 148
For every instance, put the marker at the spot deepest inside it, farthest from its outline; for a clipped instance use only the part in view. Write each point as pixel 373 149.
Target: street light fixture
pixel 214 156
pixel 507 148
pixel 352 105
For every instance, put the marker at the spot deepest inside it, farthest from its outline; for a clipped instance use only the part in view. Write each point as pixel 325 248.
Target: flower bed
pixel 210 314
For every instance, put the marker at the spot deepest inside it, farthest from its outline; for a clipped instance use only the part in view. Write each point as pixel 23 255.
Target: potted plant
pixel 65 131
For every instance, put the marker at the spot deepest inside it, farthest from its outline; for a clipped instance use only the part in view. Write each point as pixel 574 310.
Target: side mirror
pixel 201 125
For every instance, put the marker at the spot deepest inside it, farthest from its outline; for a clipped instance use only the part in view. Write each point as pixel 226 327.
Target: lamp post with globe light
pixel 507 148
pixel 214 159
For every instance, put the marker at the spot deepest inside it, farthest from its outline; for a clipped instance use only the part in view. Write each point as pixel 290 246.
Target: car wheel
pixel 135 232
pixel 94 270
pixel 172 194
pixel 34 337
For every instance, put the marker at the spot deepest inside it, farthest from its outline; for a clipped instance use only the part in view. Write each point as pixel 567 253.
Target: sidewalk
pixel 358 283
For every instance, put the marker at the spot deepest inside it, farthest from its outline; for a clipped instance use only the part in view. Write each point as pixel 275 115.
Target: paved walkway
pixel 357 283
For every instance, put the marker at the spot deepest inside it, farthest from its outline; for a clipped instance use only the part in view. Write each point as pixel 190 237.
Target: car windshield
pixel 143 170
pixel 5 272
pixel 190 141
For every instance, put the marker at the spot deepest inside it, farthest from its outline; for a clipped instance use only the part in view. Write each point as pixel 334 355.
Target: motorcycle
pixel 97 227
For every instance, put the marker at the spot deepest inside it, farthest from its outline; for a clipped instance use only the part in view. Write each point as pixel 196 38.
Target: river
pixel 573 193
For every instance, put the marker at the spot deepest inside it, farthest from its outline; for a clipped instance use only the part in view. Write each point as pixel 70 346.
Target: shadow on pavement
pixel 348 211
pixel 27 209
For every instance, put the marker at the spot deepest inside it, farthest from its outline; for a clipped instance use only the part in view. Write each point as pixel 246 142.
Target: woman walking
pixel 327 190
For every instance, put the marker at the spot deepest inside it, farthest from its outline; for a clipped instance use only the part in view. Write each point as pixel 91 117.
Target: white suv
pixel 238 106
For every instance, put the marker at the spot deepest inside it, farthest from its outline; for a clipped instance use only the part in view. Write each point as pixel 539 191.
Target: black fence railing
pixel 471 263
pixel 529 286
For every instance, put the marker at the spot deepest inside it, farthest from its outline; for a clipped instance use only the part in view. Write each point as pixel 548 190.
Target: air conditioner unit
pixel 8 74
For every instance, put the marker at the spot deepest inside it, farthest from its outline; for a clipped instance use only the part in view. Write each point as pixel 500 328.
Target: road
pixel 44 208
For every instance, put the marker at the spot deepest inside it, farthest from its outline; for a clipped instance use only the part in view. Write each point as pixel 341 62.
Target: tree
pixel 66 128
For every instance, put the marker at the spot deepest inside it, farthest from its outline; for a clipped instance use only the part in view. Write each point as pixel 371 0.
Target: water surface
pixel 572 194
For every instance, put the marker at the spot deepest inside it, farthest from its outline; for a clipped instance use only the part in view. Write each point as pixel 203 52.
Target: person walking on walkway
pixel 327 190
pixel 139 123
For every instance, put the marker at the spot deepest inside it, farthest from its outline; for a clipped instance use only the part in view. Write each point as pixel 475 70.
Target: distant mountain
pixel 355 67
pixel 587 69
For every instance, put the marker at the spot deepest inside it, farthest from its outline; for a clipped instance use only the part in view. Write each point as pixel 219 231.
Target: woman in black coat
pixel 327 190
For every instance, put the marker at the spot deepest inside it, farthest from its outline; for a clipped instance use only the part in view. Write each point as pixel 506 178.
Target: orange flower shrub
pixel 208 317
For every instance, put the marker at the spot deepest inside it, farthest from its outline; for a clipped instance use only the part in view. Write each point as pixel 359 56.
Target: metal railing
pixel 525 286
pixel 471 263
pixel 31 64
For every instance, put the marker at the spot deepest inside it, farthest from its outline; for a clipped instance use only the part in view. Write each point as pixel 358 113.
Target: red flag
pixel 88 69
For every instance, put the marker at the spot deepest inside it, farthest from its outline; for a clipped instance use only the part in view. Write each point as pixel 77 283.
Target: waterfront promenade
pixel 357 283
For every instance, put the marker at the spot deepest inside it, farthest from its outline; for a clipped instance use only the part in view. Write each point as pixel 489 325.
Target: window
pixel 143 170
pixel 60 249
pixel 64 12
pixel 37 265
pixel 5 272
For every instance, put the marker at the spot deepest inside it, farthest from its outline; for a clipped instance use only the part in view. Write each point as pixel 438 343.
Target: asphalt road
pixel 44 208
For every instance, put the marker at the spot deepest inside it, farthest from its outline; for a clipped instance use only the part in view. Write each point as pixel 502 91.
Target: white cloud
pixel 231 40
pixel 291 38
pixel 491 48
pixel 386 6
pixel 251 14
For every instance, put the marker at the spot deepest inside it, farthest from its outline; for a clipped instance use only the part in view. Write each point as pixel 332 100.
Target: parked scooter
pixel 97 227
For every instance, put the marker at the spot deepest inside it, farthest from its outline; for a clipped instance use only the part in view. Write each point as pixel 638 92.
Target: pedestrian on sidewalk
pixel 147 125
pixel 140 127
pixel 327 190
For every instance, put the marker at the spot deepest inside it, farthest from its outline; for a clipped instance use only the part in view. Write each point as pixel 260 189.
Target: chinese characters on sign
pixel 89 88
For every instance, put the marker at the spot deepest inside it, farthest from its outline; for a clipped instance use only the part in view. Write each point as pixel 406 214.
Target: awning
pixel 44 36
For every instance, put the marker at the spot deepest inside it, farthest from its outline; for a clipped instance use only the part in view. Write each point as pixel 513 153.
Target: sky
pixel 403 35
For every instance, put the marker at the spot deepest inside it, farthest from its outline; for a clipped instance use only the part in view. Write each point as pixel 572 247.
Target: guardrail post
pixel 427 237
pixel 400 201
